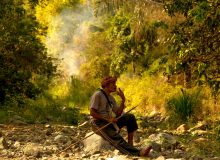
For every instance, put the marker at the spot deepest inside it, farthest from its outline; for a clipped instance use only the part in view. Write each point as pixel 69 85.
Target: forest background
pixel 53 53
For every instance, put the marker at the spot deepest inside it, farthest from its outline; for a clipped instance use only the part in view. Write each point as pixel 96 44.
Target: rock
pixel 11 155
pixel 200 132
pixel 179 153
pixel 61 139
pixel 137 138
pixel 67 131
pixel 3 152
pixel 151 129
pixel 119 157
pixel 95 143
pixel 32 149
pixel 51 148
pixel 164 139
pixel 160 158
pixel 17 144
pixel 47 126
pixel 182 129
pixel 49 131
pixel 95 156
pixel 21 141
pixel 3 143
pixel 154 114
pixel 201 140
pixel 156 147
pixel 199 126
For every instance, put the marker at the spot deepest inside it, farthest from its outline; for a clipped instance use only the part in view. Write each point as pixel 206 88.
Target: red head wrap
pixel 106 81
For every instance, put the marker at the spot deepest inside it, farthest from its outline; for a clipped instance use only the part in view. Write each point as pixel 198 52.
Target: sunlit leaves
pixel 134 43
pixel 196 40
pixel 98 56
pixel 47 9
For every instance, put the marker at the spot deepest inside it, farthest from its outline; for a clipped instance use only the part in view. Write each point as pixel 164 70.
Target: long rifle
pixel 73 144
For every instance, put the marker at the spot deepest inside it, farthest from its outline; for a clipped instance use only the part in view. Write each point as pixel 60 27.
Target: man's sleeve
pixel 94 103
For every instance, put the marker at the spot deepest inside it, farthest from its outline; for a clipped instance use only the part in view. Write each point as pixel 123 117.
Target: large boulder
pixel 32 149
pixel 95 143
pixel 164 139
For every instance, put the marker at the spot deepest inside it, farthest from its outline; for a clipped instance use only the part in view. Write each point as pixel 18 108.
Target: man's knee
pixel 131 117
pixel 131 123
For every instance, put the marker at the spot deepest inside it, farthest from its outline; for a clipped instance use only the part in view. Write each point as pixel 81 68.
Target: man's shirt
pixel 100 103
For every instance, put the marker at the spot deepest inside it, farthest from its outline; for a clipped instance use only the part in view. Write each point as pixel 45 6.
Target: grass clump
pixel 183 107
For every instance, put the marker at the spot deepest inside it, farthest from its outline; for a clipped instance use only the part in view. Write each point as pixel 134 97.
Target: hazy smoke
pixel 68 33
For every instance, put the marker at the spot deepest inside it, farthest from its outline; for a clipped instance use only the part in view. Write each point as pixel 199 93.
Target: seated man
pixel 104 110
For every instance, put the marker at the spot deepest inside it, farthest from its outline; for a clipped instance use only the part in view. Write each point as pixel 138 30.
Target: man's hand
pixel 121 94
pixel 112 120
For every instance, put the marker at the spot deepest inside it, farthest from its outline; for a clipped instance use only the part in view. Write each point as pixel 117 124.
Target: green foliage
pixel 3 115
pixel 134 43
pixel 41 110
pixel 22 55
pixel 183 106
pixel 80 92
pixel 178 6
pixel 62 103
pixel 159 65
pixel 98 57
pixel 127 41
pixel 195 41
pixel 47 9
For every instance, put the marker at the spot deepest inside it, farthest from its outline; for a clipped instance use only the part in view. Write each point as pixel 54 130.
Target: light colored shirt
pixel 100 104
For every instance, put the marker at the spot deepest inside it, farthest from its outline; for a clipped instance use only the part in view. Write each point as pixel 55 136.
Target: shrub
pixel 183 106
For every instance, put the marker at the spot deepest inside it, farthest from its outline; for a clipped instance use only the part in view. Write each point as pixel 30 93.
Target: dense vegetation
pixel 166 56
pixel 25 67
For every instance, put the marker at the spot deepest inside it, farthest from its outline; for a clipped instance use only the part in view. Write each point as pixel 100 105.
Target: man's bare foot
pixel 145 151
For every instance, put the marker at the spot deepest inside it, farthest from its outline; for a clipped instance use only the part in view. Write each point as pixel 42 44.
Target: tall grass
pixel 184 105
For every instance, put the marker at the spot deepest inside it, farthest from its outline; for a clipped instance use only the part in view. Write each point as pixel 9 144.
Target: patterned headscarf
pixel 107 80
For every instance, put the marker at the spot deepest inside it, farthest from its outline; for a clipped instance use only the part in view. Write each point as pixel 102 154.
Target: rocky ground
pixel 45 141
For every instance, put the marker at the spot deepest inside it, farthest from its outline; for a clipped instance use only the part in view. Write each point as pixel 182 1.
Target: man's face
pixel 112 87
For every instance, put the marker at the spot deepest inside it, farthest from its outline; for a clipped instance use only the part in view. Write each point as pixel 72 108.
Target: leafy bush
pixel 24 64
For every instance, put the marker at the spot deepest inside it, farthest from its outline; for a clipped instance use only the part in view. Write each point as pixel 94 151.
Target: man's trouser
pixel 110 134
